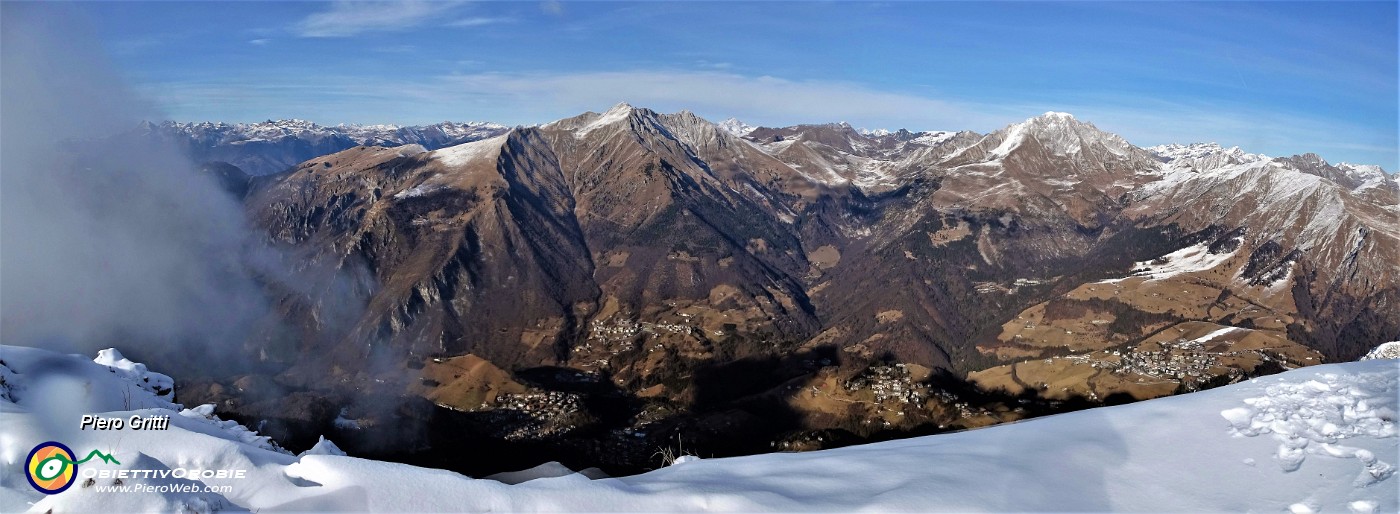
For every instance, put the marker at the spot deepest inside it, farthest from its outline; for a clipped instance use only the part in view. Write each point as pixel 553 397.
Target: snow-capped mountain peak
pixel 736 127
pixel 1203 156
pixel 622 109
pixel 1060 133
pixel 1363 169
pixel 1369 175
pixel 617 113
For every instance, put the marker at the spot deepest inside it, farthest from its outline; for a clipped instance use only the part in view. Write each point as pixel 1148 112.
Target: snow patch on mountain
pixel 875 174
pixel 410 150
pixel 457 156
pixel 420 190
pixel 616 114
pixel 1011 138
pixel 1191 259
pixel 934 138
pixel 1369 175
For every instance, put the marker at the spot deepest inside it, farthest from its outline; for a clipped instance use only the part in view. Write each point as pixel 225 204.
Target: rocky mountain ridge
pixel 768 284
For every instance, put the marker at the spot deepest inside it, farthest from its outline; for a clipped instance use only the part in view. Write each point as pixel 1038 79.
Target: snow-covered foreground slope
pixel 1316 439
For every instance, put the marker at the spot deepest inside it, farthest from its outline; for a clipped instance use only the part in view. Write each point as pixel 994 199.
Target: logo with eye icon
pixel 51 467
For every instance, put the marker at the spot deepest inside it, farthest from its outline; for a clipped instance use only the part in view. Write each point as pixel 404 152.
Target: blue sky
pixel 1276 78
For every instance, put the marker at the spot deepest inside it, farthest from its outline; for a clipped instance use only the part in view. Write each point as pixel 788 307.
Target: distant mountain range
pixel 274 146
pixel 762 285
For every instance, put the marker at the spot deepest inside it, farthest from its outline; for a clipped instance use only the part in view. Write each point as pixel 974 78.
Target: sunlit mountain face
pixel 880 240
pixel 608 281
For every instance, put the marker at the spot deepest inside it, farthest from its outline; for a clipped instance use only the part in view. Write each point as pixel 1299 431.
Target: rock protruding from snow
pixel 1389 350
pixel 7 382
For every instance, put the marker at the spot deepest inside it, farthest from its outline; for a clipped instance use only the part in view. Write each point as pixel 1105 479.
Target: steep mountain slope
pixel 631 272
pixel 1329 244
pixel 988 228
pixel 470 243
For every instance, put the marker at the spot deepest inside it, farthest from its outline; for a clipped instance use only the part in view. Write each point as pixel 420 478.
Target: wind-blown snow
pixel 1173 454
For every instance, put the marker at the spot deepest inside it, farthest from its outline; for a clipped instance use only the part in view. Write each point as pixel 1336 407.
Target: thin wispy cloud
pixel 714 65
pixel 763 98
pixel 478 21
pixel 345 18
pixel 1269 77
